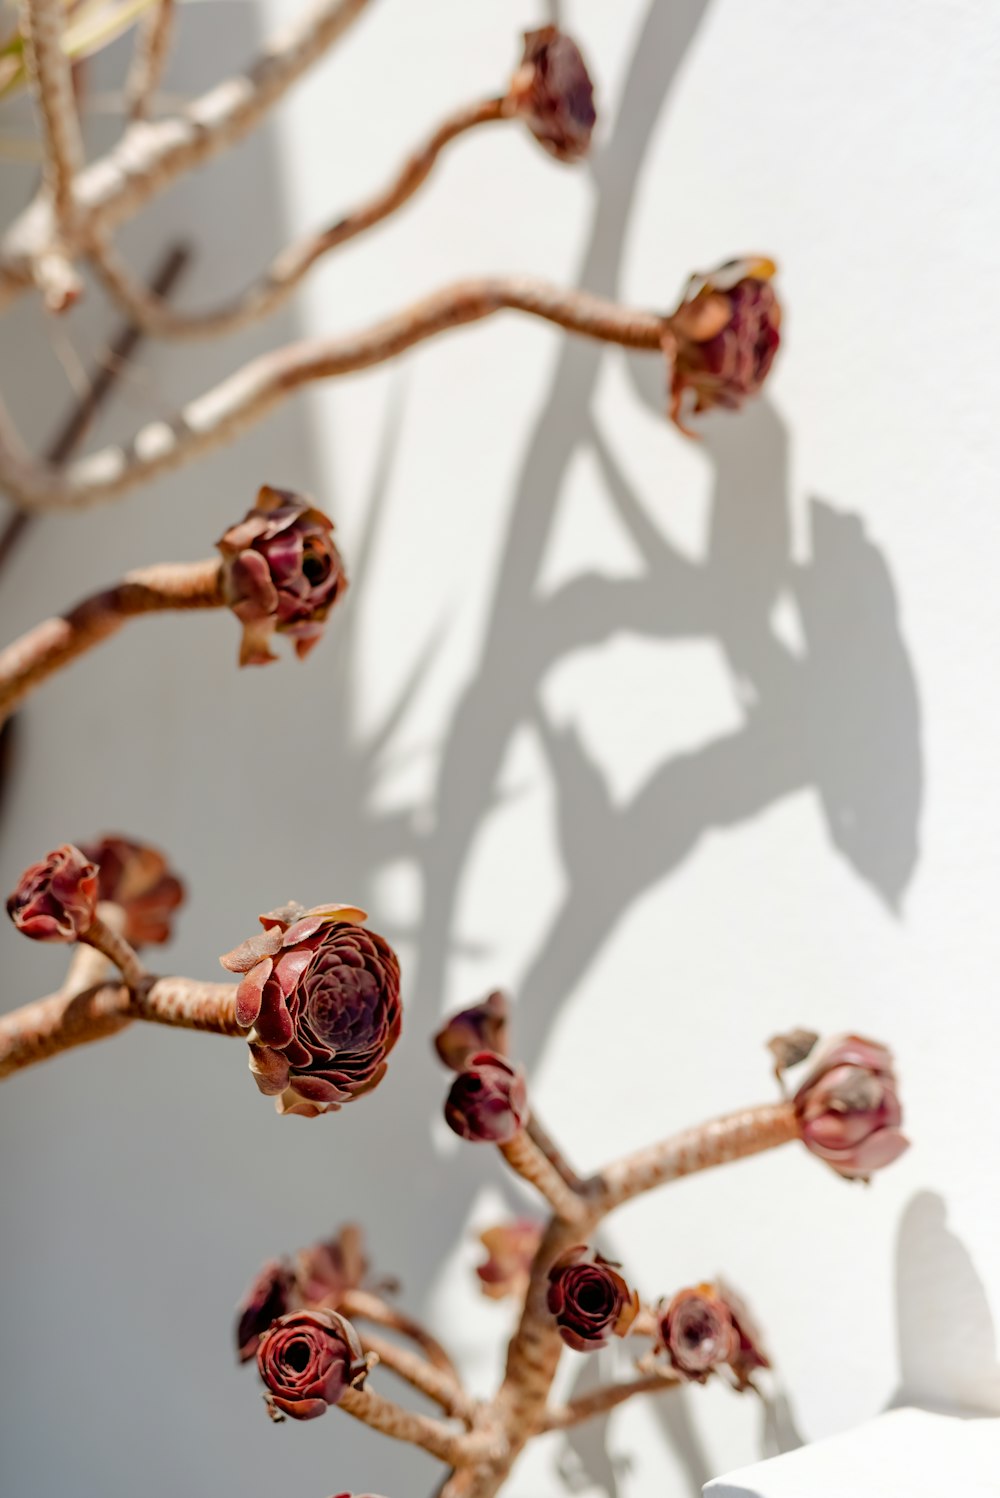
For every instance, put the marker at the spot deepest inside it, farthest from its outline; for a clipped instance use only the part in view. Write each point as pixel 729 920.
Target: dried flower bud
pixel 848 1108
pixel 488 1101
pixel 281 572
pixel 749 1354
pixel 697 1332
pixel 269 1297
pixel 791 1048
pixel 326 1271
pixel 56 900
pixel 724 335
pixel 481 1028
pixel 307 1359
pixel 139 879
pixel 511 1248
pixel 322 996
pixel 589 1299
pixel 553 94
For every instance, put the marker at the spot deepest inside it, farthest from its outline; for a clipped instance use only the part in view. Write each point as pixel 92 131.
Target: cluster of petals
pixel 589 1299
pixel 848 1107
pixel 320 997
pixel 722 339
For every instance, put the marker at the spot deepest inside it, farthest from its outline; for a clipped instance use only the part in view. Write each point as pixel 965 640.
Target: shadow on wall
pixel 948 1351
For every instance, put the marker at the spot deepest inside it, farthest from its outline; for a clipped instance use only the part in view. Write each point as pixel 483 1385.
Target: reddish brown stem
pixel 191 1005
pixel 422 1375
pixel 48 647
pixel 362 1305
pixel 105 939
pixel 155 315
pixel 600 1401
pixel 457 1449
pixel 524 1156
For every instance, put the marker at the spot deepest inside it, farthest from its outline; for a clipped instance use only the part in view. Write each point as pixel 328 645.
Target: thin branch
pixel 541 1137
pixel 733 1137
pixel 363 1305
pixel 524 1156
pixel 149 157
pixel 50 1026
pixel 267 381
pixel 154 34
pixel 455 1448
pixel 154 314
pixel 107 372
pixel 112 945
pixel 421 1375
pixel 607 1397
pixel 51 77
pixel 62 1021
pixel 37 655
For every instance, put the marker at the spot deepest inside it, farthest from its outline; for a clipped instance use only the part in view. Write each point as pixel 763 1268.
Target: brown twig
pixel 149 157
pixel 363 1305
pixel 46 1028
pixel 50 72
pixel 600 1401
pixel 154 34
pixel 455 1448
pixel 265 382
pixel 541 1137
pixel 106 374
pixel 155 315
pixel 421 1375
pixel 524 1156
pixel 104 938
pixel 48 647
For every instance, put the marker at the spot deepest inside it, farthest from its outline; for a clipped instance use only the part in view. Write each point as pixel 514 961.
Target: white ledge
pixel 907 1453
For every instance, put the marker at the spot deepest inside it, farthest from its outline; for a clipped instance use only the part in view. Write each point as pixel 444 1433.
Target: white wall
pixel 682 742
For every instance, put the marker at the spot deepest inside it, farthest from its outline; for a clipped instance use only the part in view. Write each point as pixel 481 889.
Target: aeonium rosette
pixel 281 572
pixel 320 997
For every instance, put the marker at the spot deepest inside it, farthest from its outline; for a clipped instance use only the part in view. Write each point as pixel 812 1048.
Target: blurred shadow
pixel 948 1353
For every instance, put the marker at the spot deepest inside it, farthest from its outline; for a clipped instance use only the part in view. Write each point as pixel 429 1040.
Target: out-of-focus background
pixel 683 742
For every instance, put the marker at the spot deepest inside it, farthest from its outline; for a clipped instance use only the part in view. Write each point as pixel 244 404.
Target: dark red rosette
pixel 307 1359
pixel 589 1299
pixel 552 92
pixel 320 997
pixel 722 339
pixel 269 1297
pixel 56 899
pixel 488 1101
pixel 511 1248
pixel 139 879
pixel 281 573
pixel 848 1107
pixel 483 1027
pixel 697 1332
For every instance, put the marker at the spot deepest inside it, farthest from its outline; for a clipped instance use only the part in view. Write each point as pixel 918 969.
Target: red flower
pixel 56 900
pixel 848 1108
pixel 281 572
pixel 697 1332
pixel 267 1298
pixel 724 335
pixel 553 94
pixel 488 1101
pixel 307 1359
pixel 481 1028
pixel 589 1299
pixel 138 879
pixel 325 1271
pixel 322 996
pixel 511 1248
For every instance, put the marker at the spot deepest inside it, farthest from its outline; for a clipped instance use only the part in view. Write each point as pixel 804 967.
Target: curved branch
pixel 48 647
pixel 362 1305
pixel 149 157
pixel 152 49
pixel 607 1397
pixel 51 76
pixel 155 315
pixel 267 381
pixel 525 1157
pixel 455 1448
pixel 38 1031
pixel 421 1375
